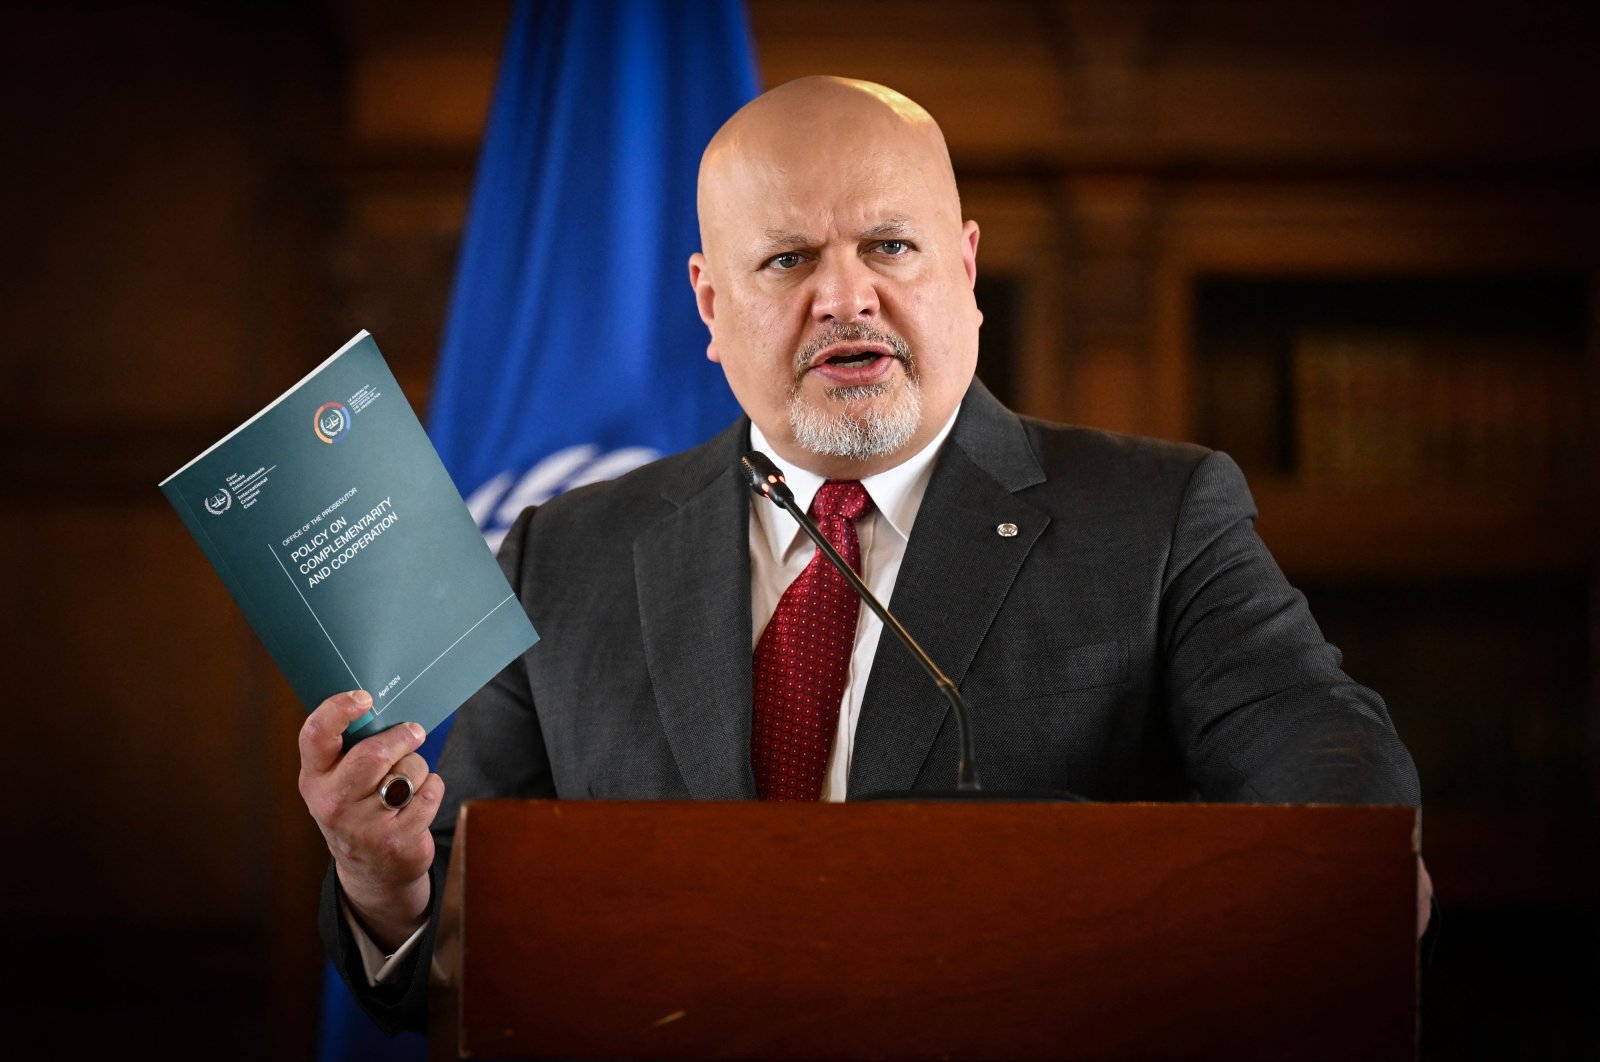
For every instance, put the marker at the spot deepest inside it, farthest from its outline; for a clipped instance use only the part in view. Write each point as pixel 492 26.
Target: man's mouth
pixel 853 358
pixel 853 364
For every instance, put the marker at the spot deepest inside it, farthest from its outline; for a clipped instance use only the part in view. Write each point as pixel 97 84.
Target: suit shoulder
pixel 1098 458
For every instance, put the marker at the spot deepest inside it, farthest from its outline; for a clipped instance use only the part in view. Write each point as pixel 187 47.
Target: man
pixel 1103 601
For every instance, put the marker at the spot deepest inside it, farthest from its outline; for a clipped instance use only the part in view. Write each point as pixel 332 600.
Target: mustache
pixel 854 332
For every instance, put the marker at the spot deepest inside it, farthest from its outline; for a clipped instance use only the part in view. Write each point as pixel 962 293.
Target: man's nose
pixel 845 289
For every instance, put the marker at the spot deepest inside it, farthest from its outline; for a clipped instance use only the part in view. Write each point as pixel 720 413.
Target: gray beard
pixel 875 433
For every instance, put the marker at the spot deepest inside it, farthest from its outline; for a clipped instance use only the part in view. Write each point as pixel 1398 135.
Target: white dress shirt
pixel 779 552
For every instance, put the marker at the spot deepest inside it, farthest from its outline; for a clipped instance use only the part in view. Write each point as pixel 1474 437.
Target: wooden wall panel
pixel 133 677
pixel 129 192
pixel 160 282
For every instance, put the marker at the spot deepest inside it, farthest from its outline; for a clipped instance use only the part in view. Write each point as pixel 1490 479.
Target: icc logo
pixel 332 422
pixel 219 502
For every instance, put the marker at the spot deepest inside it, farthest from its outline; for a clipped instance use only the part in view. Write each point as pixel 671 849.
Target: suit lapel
pixel 955 576
pixel 693 574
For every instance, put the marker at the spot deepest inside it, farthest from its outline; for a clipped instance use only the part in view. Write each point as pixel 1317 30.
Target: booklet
pixel 340 534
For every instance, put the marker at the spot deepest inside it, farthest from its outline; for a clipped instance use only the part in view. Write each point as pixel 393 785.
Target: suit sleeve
pixel 495 749
pixel 1257 699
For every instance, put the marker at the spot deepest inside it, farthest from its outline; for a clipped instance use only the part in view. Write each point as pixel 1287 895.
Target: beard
pixel 832 428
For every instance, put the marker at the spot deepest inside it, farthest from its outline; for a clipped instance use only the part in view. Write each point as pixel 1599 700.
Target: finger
pixel 322 734
pixel 407 776
pixel 373 759
pixel 414 767
pixel 418 815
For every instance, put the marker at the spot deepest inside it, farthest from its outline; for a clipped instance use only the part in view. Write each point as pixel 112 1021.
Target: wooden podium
pixel 927 930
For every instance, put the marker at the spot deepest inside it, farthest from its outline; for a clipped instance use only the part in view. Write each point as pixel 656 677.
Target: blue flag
pixel 573 351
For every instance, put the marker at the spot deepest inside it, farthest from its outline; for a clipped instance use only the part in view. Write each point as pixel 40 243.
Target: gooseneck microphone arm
pixel 765 479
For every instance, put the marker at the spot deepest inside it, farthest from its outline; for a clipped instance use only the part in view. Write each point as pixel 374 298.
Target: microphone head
pixel 764 477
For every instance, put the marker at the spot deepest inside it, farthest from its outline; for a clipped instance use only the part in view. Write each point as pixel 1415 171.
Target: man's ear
pixel 969 250
pixel 705 298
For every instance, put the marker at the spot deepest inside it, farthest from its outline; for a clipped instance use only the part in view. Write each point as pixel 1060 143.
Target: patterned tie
pixel 803 655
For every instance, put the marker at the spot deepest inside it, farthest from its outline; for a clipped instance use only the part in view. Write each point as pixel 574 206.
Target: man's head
pixel 835 273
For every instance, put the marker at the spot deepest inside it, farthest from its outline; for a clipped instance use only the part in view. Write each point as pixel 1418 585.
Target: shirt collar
pixel 896 493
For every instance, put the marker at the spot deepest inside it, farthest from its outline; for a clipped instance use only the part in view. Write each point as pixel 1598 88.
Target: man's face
pixel 837 284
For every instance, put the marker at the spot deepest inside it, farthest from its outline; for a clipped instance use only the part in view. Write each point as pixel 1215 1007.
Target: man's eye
pixel 786 260
pixel 894 247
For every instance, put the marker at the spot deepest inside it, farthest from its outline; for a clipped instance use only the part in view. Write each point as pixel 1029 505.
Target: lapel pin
pixel 1006 530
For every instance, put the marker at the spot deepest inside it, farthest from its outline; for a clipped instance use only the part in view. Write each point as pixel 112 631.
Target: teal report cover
pixel 340 534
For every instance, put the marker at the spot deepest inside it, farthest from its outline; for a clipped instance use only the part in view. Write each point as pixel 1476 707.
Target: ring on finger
pixel 396 791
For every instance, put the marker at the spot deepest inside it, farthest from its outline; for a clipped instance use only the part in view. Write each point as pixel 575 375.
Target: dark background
pixel 1189 210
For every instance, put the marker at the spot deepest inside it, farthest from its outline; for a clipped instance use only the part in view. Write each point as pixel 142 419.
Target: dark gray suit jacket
pixel 1134 641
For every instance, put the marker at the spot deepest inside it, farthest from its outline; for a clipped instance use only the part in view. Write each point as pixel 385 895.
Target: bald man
pixel 1103 601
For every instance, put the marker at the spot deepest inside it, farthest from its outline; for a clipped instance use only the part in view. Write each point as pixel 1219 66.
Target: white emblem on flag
pixel 496 504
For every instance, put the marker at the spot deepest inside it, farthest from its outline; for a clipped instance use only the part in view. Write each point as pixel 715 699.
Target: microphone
pixel 766 480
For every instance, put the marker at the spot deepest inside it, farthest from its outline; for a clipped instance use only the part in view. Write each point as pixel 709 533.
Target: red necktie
pixel 803 655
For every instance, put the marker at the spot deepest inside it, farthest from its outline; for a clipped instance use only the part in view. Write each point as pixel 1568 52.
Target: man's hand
pixel 381 855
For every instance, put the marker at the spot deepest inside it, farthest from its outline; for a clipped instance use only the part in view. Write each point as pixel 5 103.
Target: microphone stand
pixel 765 479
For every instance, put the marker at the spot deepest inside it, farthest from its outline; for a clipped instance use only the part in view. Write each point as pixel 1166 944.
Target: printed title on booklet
pixel 328 550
